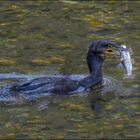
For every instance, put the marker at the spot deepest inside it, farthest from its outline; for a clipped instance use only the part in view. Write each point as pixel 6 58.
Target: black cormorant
pixel 64 84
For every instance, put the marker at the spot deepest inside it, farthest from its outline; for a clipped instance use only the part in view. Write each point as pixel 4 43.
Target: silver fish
pixel 126 60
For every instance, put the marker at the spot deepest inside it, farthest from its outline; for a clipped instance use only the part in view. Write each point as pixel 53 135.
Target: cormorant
pixel 66 85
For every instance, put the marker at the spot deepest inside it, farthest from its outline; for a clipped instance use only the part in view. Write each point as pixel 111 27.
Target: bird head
pixel 101 49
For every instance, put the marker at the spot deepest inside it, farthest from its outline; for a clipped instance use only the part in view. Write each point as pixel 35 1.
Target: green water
pixel 51 37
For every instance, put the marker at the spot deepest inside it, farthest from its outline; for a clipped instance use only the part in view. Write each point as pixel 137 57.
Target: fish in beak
pixel 126 60
pixel 124 54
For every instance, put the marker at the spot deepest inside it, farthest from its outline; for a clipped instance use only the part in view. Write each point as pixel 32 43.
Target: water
pixel 51 37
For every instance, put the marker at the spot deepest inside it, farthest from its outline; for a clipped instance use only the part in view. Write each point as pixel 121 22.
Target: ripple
pixel 16 76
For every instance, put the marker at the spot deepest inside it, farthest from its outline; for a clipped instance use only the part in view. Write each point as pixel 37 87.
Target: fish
pixel 126 60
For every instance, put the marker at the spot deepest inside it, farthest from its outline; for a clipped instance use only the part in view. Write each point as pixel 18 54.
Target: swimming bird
pixel 65 84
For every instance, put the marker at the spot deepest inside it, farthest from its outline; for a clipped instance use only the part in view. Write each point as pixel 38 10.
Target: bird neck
pixel 95 66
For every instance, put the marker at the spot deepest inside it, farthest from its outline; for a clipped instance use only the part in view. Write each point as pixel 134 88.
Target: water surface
pixel 51 37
